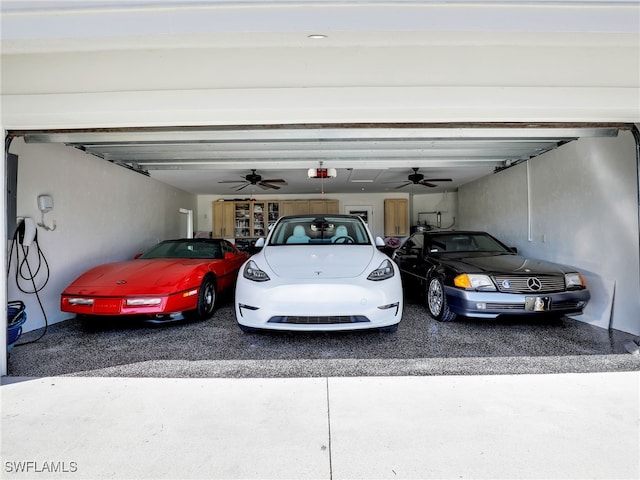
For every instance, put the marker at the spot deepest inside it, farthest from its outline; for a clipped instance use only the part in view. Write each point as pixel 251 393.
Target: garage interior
pixel 536 187
pixel 132 160
pixel 130 116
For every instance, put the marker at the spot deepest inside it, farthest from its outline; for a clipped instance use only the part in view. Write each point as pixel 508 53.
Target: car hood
pixel 319 262
pixel 509 264
pixel 152 276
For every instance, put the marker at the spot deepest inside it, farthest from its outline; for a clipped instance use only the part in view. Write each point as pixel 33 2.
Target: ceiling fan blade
pixel 427 182
pixel 243 186
pixel 276 180
pixel 404 184
pixel 232 181
pixel 266 185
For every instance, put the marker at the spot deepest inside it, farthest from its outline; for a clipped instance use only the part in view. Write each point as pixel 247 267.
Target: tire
pixel 437 301
pixel 206 299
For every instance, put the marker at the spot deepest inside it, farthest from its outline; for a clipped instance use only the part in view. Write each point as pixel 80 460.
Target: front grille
pixel 513 307
pixel 319 320
pixel 528 283
pixel 505 306
pixel 568 305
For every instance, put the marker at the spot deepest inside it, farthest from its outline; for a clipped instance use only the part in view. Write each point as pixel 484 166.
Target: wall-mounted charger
pixel 45 203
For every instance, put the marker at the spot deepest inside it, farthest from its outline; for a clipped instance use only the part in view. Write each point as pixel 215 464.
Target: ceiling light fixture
pixel 317 36
pixel 322 172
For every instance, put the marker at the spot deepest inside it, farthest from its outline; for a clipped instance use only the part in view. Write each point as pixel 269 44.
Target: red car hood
pixel 154 276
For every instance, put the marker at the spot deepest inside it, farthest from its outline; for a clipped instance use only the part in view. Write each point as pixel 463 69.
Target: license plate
pixel 106 306
pixel 537 304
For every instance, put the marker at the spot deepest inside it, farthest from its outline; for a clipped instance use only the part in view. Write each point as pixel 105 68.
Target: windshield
pixel 320 230
pixel 186 249
pixel 464 242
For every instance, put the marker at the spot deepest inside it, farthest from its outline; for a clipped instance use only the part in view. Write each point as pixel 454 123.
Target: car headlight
pixel 384 271
pixel 474 281
pixel 574 281
pixel 142 302
pixel 253 273
pixel 80 301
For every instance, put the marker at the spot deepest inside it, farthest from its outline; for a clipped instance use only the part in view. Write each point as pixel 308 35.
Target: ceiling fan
pixel 255 179
pixel 418 179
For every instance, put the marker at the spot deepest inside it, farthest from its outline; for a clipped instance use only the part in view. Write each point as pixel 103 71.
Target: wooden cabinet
pixel 323 206
pixel 251 219
pixel 263 215
pixel 396 217
pixel 304 207
pixel 223 219
pixel 244 219
pixel 295 207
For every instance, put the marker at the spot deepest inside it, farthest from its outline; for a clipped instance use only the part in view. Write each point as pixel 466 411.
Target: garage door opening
pixel 498 172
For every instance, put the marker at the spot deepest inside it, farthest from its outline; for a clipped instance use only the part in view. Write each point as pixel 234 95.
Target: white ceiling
pixel 544 48
pixel 370 159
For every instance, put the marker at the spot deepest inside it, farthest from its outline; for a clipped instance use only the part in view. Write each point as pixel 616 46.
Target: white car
pixel 319 273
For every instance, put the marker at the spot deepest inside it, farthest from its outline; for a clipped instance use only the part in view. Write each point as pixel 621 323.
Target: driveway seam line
pixel 329 430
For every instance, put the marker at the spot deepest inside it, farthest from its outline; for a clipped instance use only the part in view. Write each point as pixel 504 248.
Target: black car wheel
pixel 437 301
pixel 206 299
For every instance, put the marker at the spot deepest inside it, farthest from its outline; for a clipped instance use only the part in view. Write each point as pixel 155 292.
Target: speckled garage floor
pixel 421 346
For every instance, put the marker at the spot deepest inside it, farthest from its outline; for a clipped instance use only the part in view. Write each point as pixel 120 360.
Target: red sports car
pixel 174 278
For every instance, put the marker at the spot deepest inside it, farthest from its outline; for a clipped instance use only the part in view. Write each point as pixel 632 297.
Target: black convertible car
pixel 474 275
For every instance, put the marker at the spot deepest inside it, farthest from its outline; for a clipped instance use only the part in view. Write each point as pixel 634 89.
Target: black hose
pixel 30 276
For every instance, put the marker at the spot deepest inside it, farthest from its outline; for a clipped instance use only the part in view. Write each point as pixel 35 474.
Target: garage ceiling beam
pixel 288 133
pixel 284 165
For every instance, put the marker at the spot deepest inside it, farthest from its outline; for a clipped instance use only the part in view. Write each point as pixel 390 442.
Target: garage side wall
pixel 102 213
pixel 571 206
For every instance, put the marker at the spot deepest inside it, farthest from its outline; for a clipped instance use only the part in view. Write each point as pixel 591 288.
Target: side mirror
pixel 259 243
pixel 380 242
pixel 229 255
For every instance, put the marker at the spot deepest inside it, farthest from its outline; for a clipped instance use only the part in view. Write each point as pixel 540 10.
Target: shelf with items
pixel 253 218
pixel 248 219
pixel 257 224
pixel 273 213
pixel 242 219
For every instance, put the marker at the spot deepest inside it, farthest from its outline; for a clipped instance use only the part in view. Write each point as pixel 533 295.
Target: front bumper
pixel 494 304
pixel 313 306
pixel 109 306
